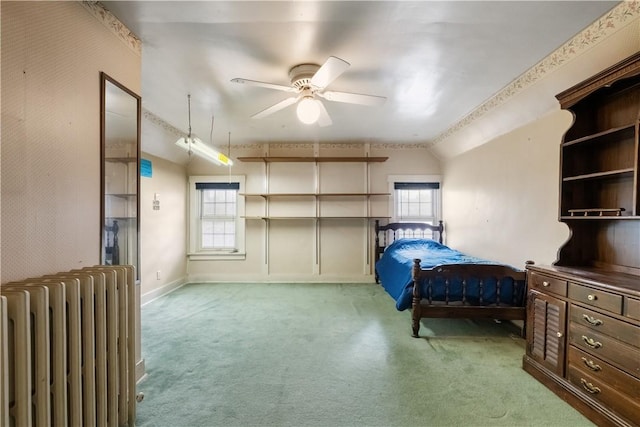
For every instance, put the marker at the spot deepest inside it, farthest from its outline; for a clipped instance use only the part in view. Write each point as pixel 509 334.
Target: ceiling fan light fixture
pixel 309 80
pixel 308 110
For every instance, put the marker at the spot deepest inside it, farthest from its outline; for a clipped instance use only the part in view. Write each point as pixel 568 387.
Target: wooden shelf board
pixel 607 132
pixel 121 159
pixel 315 217
pixel 313 159
pixel 352 194
pixel 599 218
pixel 311 194
pixel 595 175
pixel 353 217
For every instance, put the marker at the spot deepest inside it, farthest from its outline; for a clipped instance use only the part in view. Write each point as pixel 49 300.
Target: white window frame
pixel 393 205
pixel 195 250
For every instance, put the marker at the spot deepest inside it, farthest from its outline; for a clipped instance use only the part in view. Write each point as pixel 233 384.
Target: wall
pixel 163 265
pixel 501 199
pixel 52 54
pixel 339 250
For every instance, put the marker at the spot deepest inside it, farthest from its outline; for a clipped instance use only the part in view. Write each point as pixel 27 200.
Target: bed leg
pixel 415 322
pixel 416 314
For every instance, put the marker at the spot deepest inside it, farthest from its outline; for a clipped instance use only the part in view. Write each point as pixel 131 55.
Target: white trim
pixel 141 372
pixel 261 278
pixel 219 255
pixel 161 291
pixel 391 179
pixel 194 254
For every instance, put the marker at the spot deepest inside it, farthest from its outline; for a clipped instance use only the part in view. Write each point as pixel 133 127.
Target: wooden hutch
pixel 583 312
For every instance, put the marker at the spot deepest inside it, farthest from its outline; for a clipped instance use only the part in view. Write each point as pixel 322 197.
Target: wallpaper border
pixel 110 21
pixel 620 16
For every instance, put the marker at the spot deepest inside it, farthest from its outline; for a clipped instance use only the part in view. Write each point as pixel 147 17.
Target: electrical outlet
pixel 158 275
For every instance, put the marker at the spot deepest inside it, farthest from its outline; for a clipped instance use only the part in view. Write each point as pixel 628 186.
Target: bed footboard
pixel 467 291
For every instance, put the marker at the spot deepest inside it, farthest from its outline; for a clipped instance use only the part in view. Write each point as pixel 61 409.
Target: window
pixel 218 207
pixel 216 223
pixel 416 201
pixel 416 198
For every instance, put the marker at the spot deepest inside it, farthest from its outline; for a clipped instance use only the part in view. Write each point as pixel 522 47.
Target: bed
pixel 422 274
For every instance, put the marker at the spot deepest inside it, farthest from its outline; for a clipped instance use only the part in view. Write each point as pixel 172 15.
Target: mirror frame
pixel 104 79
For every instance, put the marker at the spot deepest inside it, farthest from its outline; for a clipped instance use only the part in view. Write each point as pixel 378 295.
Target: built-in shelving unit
pixel 267 196
pixel 313 217
pixel 316 159
pixel 318 200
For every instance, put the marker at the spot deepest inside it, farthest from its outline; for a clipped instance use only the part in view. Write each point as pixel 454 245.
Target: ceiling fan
pixel 307 82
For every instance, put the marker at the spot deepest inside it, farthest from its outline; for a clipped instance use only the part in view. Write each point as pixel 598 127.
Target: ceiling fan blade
pixel 263 84
pixel 329 71
pixel 276 107
pixel 323 119
pixel 352 98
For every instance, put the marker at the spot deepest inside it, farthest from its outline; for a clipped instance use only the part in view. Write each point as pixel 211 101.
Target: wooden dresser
pixel 583 312
pixel 583 340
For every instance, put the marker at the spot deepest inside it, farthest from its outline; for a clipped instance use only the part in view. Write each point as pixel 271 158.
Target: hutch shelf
pixel 583 312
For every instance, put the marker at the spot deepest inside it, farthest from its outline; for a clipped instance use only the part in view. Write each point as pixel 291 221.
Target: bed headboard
pixel 387 234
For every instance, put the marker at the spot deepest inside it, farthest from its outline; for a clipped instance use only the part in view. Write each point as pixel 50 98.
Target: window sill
pixel 219 256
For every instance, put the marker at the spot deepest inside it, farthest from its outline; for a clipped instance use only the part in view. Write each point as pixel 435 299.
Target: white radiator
pixel 67 355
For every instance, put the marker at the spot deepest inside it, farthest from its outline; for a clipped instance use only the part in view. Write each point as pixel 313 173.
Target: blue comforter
pixel 394 270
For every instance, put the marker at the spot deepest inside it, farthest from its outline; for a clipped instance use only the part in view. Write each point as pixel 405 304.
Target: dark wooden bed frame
pixel 423 306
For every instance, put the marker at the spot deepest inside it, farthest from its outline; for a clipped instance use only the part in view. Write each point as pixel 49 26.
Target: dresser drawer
pixel 548 284
pixel 599 390
pixel 596 298
pixel 632 308
pixel 604 372
pixel 599 322
pixel 621 355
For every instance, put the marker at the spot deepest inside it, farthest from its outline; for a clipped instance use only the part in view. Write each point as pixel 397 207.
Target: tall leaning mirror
pixel 120 177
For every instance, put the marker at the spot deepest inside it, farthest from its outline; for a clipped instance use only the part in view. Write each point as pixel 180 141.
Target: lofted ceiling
pixel 434 61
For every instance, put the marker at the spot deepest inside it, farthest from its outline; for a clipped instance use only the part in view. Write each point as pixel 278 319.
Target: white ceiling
pixel 435 62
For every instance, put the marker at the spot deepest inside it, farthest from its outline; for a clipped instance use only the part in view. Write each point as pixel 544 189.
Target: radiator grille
pixel 67 355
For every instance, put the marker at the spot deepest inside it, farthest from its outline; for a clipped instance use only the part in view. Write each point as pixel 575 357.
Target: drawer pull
pixel 592 297
pixel 589 387
pixel 591 364
pixel 559 334
pixel 546 284
pixel 592 320
pixel 591 343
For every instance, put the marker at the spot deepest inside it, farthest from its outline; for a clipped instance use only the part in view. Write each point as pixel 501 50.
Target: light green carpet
pixel 330 355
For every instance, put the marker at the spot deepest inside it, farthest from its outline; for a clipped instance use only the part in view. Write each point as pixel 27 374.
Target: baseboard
pixel 140 370
pixel 261 278
pixel 163 290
